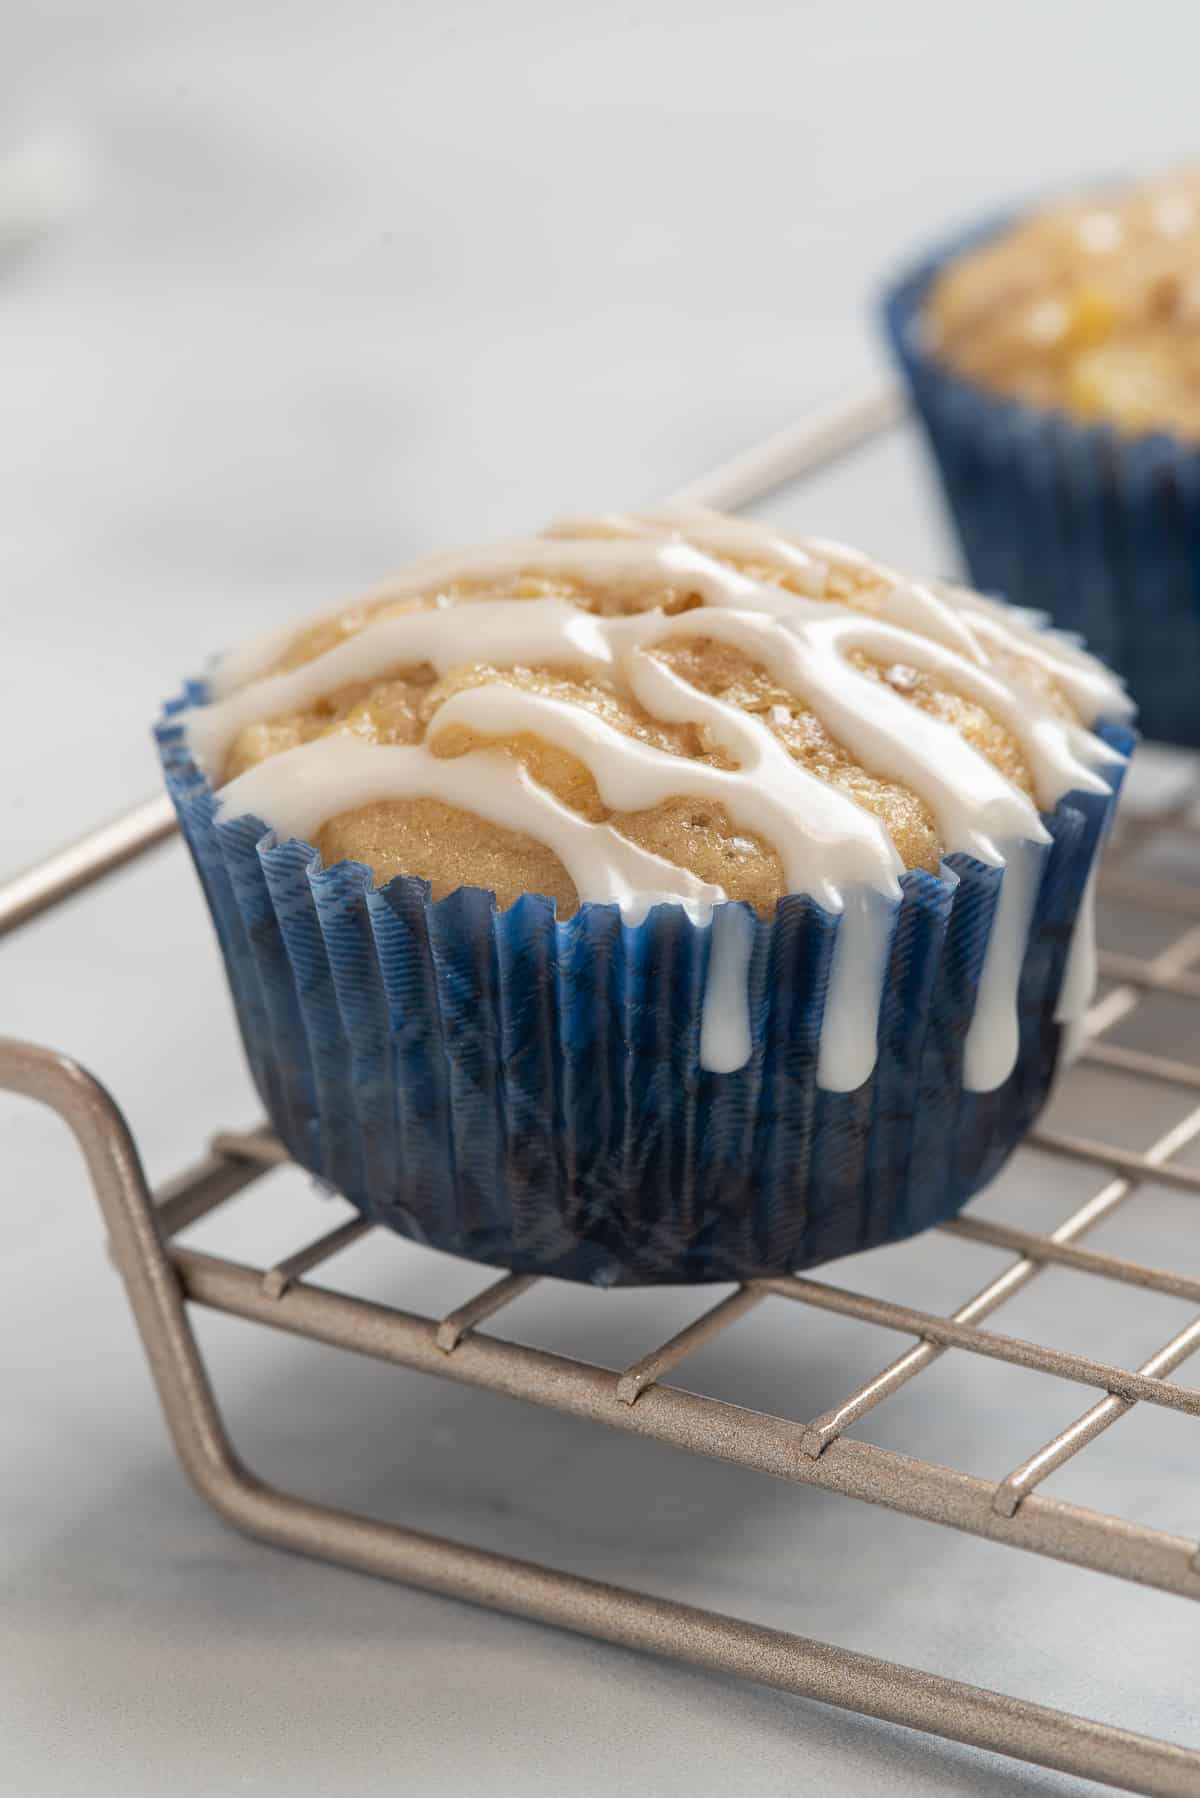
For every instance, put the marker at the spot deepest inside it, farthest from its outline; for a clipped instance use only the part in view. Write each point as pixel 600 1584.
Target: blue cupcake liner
pixel 528 1092
pixel 1099 530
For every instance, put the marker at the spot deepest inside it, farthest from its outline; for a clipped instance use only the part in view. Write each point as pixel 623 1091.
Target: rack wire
pixel 164 1280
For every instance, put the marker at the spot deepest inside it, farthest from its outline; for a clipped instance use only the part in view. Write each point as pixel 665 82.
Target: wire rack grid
pixel 164 1279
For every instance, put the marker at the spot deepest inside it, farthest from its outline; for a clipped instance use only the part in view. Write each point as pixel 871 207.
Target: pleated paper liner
pixel 528 1093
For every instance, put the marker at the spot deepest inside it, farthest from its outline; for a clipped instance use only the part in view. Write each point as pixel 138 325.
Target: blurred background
pixel 289 293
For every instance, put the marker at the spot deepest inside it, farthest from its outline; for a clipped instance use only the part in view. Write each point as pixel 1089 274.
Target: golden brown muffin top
pixel 752 714
pixel 1092 308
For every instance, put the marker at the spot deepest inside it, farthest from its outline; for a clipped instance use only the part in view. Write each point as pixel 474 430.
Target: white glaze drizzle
pixel 1018 630
pixel 829 847
pixel 850 1024
pixel 629 568
pixel 769 793
pixel 717 533
pixel 501 633
pixel 990 1051
pixel 725 1035
pixel 1079 976
pixel 297 791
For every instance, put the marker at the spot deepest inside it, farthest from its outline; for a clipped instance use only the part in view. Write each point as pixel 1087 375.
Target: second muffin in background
pixel 662 898
pixel 1055 361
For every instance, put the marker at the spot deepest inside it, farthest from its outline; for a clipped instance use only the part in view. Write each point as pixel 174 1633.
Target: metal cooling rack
pixel 163 1280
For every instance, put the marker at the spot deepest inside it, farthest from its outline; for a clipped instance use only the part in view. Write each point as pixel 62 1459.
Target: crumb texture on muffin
pixel 680 707
pixel 1092 308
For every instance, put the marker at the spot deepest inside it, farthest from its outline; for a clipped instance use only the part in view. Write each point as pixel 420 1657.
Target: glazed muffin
pixel 1055 361
pixel 659 898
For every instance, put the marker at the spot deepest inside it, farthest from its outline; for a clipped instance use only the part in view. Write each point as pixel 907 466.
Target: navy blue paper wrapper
pixel 528 1093
pixel 1099 530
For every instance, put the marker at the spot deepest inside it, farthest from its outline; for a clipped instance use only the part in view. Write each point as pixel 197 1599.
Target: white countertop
pixel 330 286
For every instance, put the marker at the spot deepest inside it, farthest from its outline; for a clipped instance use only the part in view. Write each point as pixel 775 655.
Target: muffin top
pixel 1092 308
pixel 676 706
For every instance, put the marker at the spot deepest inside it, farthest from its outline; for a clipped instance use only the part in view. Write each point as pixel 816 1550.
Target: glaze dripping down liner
pixel 527 1092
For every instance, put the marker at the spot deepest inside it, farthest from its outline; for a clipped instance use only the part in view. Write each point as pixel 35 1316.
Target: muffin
pixel 657 899
pixel 1055 362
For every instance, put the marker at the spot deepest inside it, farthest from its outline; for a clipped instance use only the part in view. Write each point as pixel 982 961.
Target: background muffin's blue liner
pixel 1100 530
pixel 528 1093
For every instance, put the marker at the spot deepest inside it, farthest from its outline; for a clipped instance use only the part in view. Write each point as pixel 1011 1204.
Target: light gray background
pixel 323 286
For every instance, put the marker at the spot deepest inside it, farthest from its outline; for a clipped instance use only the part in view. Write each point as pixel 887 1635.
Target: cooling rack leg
pixel 705 1639
pixel 150 1281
